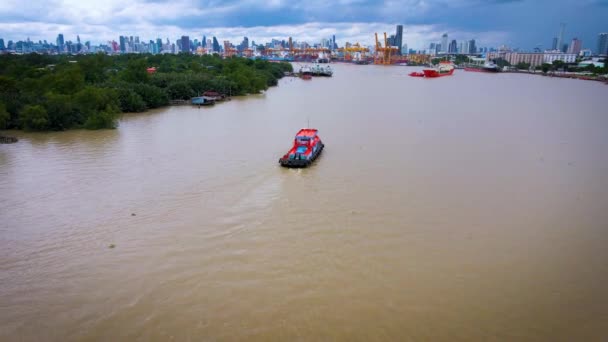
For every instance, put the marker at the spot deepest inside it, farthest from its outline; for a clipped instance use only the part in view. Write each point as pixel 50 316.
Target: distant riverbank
pixel 563 75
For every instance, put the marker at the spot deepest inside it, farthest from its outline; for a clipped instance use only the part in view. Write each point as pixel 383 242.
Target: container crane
pixel 384 54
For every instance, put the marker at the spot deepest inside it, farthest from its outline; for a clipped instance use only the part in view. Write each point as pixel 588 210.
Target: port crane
pixel 384 53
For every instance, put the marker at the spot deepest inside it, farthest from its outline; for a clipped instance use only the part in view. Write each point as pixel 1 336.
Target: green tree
pixel 102 119
pixel 4 116
pixel 152 96
pixel 558 64
pixel 523 66
pixel 34 118
pixel 130 101
pixel 136 71
pixel 68 80
pixel 501 62
pixel 180 91
pixel 545 67
pixel 61 112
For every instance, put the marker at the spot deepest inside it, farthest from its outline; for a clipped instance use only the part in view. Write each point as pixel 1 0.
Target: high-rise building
pixel 204 41
pixel 444 43
pixel 244 44
pixel 560 38
pixel 564 48
pixel 453 47
pixel 575 46
pixel 398 37
pixel 216 45
pixel 60 42
pixel 602 44
pixel 404 50
pixel 554 44
pixel 465 47
pixel 159 44
pixel 2 47
pixel 472 47
pixel 123 47
pixel 185 44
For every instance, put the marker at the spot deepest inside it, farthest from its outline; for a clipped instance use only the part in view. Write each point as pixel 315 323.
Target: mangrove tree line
pixel 44 92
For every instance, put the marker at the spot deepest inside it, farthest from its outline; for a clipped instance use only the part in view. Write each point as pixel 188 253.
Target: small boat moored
pixel 306 148
pixel 202 101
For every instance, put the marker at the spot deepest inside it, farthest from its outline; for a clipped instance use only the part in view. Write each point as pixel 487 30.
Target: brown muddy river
pixel 465 208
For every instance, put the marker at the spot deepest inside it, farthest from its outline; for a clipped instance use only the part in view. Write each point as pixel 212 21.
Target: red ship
pixel 416 74
pixel 443 69
pixel 306 148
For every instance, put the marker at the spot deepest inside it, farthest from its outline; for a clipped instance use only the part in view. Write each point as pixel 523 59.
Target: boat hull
pixel 299 163
pixel 434 73
pixel 488 70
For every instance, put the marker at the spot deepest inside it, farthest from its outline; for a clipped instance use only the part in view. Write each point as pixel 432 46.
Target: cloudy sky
pixel 517 23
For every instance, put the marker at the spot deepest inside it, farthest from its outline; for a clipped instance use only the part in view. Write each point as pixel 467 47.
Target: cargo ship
pixel 318 70
pixel 306 148
pixel 443 69
pixel 486 67
pixel 306 70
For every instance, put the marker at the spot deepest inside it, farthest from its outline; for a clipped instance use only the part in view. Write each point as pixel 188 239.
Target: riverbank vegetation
pixel 43 92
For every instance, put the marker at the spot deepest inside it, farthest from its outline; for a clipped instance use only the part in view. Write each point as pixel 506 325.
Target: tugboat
pixel 306 148
pixel 443 69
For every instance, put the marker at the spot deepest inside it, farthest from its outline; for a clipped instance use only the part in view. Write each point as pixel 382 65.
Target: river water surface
pixel 465 208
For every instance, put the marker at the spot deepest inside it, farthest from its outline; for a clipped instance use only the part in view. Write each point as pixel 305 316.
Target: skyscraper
pixel 398 37
pixel 216 45
pixel 560 38
pixel 453 47
pixel 60 42
pixel 472 47
pixel 444 43
pixel 185 44
pixel 122 40
pixel 204 41
pixel 244 44
pixel 575 46
pixel 159 44
pixel 602 44
pixel 2 44
pixel 465 47
pixel 554 44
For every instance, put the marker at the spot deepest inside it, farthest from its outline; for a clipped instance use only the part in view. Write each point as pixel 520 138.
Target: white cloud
pixel 105 20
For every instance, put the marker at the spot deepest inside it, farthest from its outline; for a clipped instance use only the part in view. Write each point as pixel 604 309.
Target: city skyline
pixel 491 23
